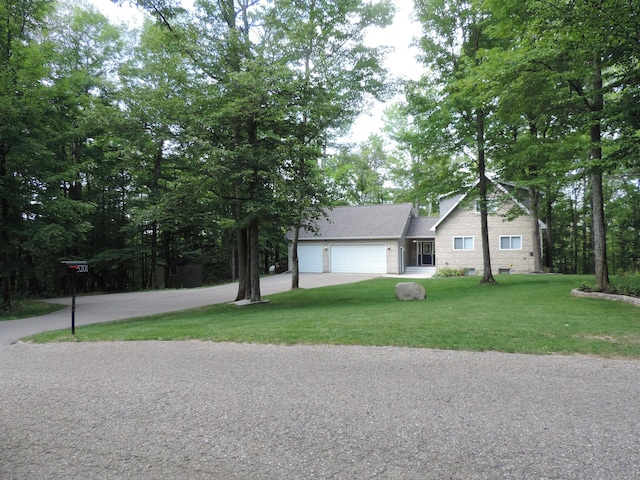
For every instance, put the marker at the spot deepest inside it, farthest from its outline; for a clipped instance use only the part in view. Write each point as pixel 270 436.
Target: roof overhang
pixel 348 239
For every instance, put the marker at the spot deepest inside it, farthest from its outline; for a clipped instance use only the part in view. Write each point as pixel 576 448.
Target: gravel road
pixel 198 410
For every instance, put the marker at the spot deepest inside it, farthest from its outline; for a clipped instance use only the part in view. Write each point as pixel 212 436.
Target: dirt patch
pixel 625 339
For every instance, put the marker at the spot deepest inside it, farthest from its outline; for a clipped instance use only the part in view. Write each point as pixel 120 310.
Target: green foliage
pixel 621 285
pixel 626 285
pixel 358 177
pixel 557 86
pixel 585 286
pixel 450 272
pixel 462 315
pixel 138 149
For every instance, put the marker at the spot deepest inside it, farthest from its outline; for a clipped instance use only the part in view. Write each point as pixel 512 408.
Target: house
pixel 394 239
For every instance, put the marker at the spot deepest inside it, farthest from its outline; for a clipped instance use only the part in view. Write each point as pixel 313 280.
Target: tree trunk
pixel 242 264
pixel 487 276
pixel 295 271
pixel 548 237
pixel 535 230
pixel 597 198
pixel 599 233
pixel 4 232
pixel 155 189
pixel 153 262
pixel 254 260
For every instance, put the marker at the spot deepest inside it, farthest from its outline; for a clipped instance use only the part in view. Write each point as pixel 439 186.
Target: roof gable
pixel 450 202
pixel 362 222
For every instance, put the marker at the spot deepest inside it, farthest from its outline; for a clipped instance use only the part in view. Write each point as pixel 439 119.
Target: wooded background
pixel 203 136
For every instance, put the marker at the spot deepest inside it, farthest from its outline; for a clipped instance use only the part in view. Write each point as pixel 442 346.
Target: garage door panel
pixel 310 258
pixel 365 258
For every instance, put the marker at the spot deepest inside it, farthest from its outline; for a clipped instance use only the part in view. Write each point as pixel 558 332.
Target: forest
pixel 204 135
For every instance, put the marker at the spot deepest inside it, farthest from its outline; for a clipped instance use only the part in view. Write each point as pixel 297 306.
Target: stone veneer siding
pixel 465 222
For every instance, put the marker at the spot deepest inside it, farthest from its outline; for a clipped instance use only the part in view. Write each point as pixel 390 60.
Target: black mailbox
pixel 72 268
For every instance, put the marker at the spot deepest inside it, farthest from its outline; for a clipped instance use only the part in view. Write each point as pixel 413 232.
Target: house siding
pixel 465 222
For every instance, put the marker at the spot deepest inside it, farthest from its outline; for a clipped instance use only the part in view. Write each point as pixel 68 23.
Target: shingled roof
pixel 420 227
pixel 362 222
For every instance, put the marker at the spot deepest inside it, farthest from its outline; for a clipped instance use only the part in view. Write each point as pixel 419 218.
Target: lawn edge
pixel 607 296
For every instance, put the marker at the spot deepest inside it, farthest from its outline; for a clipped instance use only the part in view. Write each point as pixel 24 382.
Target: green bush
pixel 585 286
pixel 450 272
pixel 627 284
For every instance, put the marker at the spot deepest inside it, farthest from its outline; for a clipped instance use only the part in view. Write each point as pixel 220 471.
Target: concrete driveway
pixel 118 306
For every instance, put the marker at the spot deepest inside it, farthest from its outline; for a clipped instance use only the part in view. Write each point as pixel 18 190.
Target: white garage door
pixel 367 258
pixel 310 258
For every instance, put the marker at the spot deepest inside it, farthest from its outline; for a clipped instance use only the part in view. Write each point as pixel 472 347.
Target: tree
pixel 333 73
pixel 454 39
pixel 587 47
pixel 235 106
pixel 22 131
pixel 154 96
pixel 426 166
pixel 358 177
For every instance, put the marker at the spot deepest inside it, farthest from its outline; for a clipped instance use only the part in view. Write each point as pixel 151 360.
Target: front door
pixel 426 253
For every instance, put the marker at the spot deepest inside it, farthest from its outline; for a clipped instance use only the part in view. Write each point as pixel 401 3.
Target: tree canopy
pixel 207 133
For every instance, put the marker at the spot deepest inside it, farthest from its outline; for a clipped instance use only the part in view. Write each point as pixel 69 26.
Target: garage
pixel 310 258
pixel 362 258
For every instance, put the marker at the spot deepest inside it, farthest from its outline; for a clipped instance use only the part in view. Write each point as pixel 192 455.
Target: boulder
pixel 406 291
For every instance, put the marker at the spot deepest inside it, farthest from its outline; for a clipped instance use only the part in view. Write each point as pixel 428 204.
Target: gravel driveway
pixel 197 410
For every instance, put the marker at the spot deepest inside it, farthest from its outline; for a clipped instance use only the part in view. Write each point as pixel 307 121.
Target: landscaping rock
pixel 606 296
pixel 407 291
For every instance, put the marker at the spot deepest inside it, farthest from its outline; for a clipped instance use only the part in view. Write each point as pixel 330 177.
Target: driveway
pixel 118 306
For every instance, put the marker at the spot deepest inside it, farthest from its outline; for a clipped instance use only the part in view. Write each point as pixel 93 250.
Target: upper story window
pixel 463 243
pixel 510 242
pixel 492 206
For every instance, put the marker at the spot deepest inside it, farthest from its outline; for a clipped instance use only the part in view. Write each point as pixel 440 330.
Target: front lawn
pixel 28 308
pixel 523 313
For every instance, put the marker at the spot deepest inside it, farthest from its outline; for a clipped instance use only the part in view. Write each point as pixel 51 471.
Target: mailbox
pixel 70 266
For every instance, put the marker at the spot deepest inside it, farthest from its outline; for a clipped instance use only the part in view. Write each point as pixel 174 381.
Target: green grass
pixel 28 308
pixel 525 314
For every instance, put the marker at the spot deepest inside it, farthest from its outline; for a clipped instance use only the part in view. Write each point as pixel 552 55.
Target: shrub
pixel 585 286
pixel 628 284
pixel 450 272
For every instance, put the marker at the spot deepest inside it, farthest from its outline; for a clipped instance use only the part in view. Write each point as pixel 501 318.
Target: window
pixel 492 206
pixel 463 243
pixel 513 242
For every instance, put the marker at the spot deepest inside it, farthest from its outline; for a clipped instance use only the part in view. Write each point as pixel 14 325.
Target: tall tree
pixel 154 98
pixel 235 102
pixel 454 37
pixel 425 166
pixel 588 48
pixel 22 132
pixel 357 176
pixel 334 73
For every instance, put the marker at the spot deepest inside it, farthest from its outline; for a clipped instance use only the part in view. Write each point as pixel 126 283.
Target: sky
pixel 401 62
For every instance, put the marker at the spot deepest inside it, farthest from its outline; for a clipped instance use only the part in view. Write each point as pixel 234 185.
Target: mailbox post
pixel 72 269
